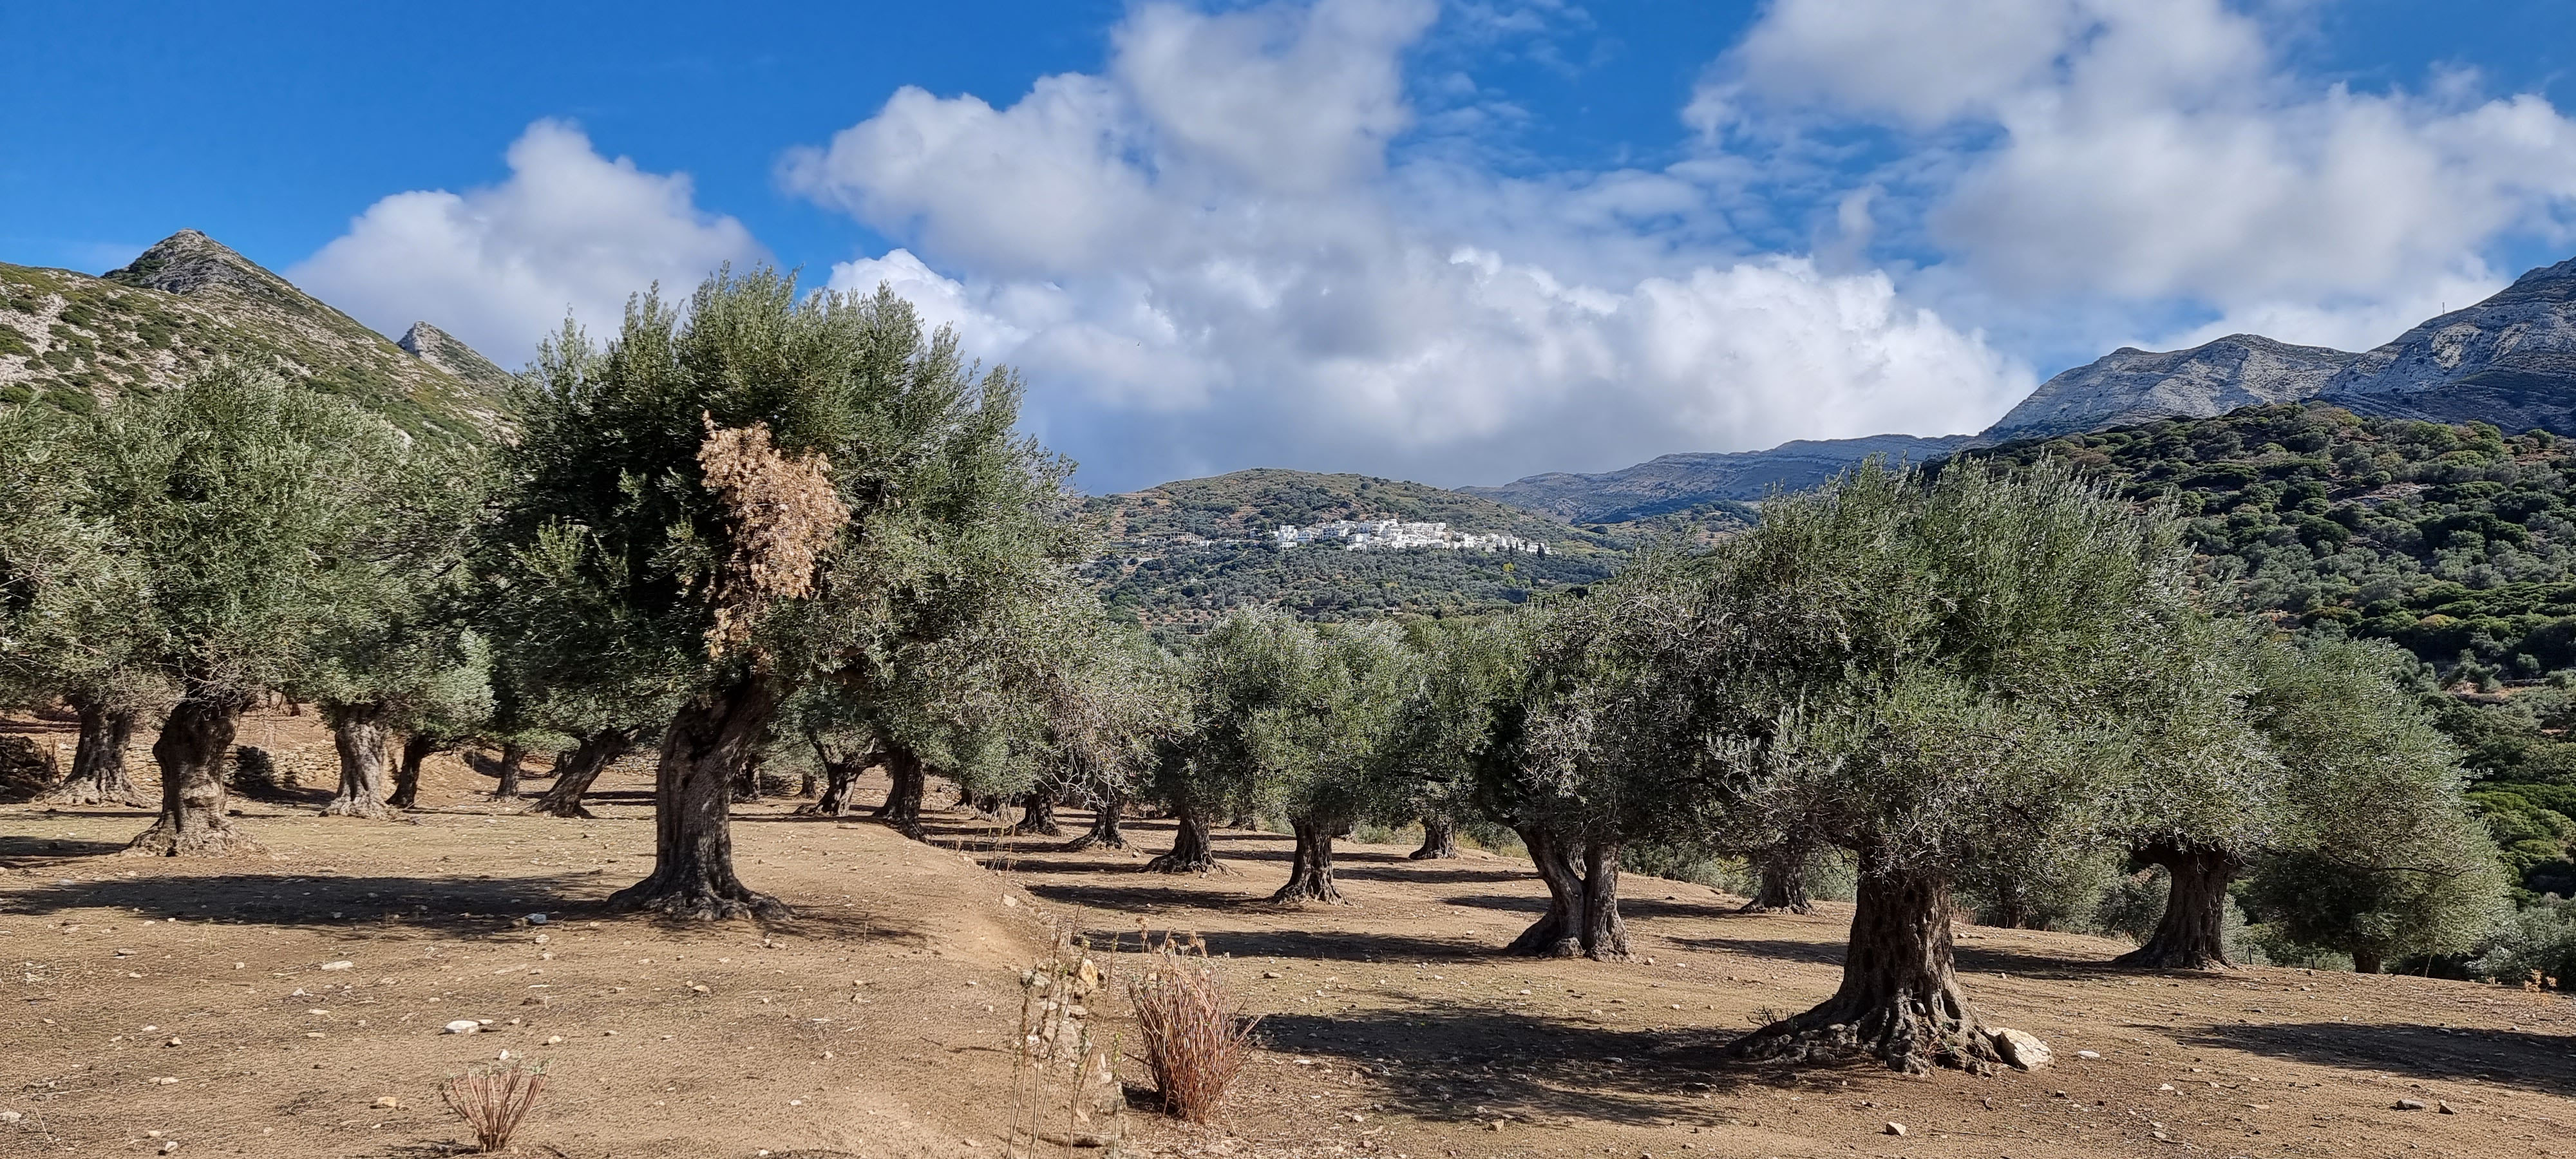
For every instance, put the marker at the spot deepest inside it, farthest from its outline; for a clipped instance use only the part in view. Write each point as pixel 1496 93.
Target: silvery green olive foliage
pixel 1337 726
pixel 2380 857
pixel 940 514
pixel 73 606
pixel 1247 682
pixel 1926 670
pixel 1429 759
pixel 402 654
pixel 259 515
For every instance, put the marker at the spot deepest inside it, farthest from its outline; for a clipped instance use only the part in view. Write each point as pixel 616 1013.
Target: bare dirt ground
pixel 163 1001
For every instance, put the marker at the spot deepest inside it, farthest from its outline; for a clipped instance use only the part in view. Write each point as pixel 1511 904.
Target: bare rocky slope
pixel 76 341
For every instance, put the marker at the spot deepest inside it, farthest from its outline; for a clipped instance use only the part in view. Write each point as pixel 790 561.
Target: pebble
pixel 164 1081
pixel 10 1116
pixel 463 1026
pixel 2092 1054
pixel 389 1102
pixel 2410 1104
pixel 338 965
pixel 2440 1107
pixel 537 919
pixel 1897 1129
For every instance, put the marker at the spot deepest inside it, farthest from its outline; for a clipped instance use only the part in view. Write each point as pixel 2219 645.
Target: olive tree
pixel 744 493
pixel 2378 855
pixel 1599 739
pixel 1244 680
pixel 1926 670
pixel 74 607
pixel 1333 772
pixel 250 508
pixel 1443 724
pixel 400 650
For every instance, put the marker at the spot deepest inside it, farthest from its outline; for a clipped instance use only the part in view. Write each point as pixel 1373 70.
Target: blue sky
pixel 1456 241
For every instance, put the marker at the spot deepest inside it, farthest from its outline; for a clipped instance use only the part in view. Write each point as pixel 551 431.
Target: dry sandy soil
pixel 164 1001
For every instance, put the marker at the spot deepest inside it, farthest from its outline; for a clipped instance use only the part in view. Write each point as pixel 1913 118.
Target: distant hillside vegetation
pixel 1252 504
pixel 2457 542
pixel 1181 555
pixel 73 341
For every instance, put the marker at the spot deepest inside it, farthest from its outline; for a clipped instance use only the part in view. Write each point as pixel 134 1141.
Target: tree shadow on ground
pixel 400 906
pixel 1340 946
pixel 2522 1058
pixel 1405 871
pixel 28 852
pixel 2028 964
pixel 1147 898
pixel 361 904
pixel 1450 1062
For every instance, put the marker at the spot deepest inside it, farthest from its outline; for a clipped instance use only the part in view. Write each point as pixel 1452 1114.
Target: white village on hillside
pixel 1390 535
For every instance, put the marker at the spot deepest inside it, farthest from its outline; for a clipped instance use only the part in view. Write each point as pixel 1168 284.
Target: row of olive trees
pixel 1974 675
pixel 763 518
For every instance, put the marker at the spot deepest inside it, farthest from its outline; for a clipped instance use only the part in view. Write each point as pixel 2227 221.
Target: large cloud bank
pixel 1209 257
pixel 1276 235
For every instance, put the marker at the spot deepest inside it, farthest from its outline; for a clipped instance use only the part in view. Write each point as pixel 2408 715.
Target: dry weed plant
pixel 785 515
pixel 1195 1033
pixel 493 1099
pixel 1058 1062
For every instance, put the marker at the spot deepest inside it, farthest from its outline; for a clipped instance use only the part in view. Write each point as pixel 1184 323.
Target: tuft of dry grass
pixel 1195 1034
pixel 493 1099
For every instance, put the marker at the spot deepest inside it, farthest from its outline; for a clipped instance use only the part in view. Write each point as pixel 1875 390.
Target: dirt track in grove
pixel 877 1022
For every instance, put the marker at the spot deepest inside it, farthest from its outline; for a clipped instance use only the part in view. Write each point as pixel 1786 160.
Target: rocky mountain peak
pixel 2133 385
pixel 188 261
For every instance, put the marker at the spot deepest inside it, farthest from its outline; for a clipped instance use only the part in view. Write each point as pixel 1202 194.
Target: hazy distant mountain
pixel 2131 385
pixel 2509 360
pixel 1678 482
pixel 75 341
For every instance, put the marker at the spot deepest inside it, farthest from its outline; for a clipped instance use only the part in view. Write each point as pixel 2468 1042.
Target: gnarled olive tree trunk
pixel 902 808
pixel 1037 815
pixel 1605 937
pixel 708 741
pixel 575 774
pixel 1310 871
pixel 1104 827
pixel 98 765
pixel 358 735
pixel 1783 887
pixel 840 785
pixel 1582 919
pixel 1439 840
pixel 1900 1000
pixel 415 749
pixel 190 751
pixel 512 756
pixel 1558 933
pixel 2190 936
pixel 1191 850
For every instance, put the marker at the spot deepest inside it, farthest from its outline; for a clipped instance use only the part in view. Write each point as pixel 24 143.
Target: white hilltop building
pixel 1393 535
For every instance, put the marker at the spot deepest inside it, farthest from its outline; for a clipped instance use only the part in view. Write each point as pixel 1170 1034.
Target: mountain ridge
pixel 2508 360
pixel 188 302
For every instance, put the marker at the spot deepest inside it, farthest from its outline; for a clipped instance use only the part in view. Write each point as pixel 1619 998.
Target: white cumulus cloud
pixel 568 231
pixel 2160 151
pixel 1210 256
